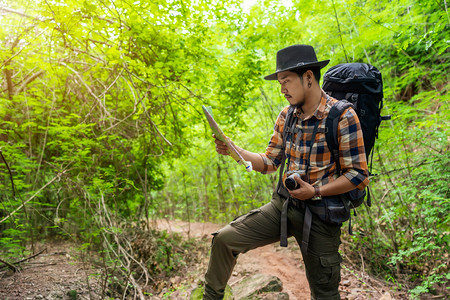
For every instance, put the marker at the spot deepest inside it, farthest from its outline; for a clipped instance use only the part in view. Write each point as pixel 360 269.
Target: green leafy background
pixel 102 123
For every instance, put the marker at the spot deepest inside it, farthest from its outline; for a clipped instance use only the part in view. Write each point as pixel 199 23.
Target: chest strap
pixel 284 210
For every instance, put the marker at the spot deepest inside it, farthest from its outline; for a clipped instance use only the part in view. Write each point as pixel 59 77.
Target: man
pixel 307 153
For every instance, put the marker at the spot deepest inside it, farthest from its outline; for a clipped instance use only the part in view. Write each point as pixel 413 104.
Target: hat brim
pixel 319 64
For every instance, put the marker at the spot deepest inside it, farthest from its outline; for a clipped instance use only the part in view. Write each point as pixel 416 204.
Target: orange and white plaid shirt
pixel 322 168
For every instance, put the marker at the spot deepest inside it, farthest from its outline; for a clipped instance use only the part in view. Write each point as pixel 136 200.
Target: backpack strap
pixel 331 127
pixel 307 222
pixel 331 137
pixel 287 131
pixel 308 216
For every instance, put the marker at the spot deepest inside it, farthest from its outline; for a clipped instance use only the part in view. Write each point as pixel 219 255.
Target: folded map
pixel 221 136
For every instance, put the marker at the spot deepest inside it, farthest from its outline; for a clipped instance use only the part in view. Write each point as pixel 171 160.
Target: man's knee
pixel 223 236
pixel 223 241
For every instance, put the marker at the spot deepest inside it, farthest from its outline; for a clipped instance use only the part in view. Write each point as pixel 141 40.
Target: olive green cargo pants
pixel 261 227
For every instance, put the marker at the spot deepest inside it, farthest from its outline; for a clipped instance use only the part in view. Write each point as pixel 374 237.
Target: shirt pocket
pixel 320 153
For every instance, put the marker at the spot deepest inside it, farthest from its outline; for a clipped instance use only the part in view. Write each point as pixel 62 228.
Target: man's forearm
pixel 306 191
pixel 254 158
pixel 339 186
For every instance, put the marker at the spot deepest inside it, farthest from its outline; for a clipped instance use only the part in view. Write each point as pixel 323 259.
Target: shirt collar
pixel 320 110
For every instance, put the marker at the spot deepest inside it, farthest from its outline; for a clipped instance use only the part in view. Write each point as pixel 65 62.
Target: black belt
pixel 301 204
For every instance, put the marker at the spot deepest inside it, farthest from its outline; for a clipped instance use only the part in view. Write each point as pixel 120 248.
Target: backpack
pixel 359 85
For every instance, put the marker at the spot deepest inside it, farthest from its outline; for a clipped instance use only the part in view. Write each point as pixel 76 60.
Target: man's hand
pixel 221 147
pixel 304 192
pixel 254 158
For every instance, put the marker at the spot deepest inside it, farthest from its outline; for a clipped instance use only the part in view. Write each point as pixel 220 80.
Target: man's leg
pixel 322 262
pixel 257 228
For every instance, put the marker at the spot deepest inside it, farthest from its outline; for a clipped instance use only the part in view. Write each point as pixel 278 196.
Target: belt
pixel 299 204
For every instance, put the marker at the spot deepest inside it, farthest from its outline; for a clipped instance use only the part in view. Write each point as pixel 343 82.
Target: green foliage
pixel 11 243
pixel 197 293
pixel 102 122
pixel 406 232
pixel 164 253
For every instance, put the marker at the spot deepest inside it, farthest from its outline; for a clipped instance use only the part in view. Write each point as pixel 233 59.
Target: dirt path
pixel 286 264
pixel 57 273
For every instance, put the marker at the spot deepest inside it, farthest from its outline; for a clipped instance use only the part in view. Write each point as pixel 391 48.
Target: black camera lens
pixel 290 183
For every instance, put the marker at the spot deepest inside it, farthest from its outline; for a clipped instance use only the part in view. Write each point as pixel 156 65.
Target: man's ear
pixel 309 75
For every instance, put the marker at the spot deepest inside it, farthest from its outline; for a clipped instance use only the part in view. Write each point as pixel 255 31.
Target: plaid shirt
pixel 322 168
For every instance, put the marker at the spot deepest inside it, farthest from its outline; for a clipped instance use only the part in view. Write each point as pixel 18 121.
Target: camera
pixel 290 182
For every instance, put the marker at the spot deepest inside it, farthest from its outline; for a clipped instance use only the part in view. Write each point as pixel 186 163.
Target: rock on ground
pixel 251 286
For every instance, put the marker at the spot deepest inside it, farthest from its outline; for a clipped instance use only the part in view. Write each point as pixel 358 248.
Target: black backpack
pixel 359 85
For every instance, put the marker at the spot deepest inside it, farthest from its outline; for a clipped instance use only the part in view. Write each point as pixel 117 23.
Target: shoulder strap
pixel 331 137
pixel 286 132
pixel 331 125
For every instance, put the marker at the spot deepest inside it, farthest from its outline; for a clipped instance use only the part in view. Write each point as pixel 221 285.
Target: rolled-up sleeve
pixel 274 151
pixel 352 155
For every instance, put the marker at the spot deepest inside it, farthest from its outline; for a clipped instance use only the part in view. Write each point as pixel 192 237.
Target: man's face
pixel 292 87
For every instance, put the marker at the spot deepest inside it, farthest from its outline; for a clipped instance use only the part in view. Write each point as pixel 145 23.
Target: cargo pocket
pixel 214 237
pixel 331 270
pixel 242 218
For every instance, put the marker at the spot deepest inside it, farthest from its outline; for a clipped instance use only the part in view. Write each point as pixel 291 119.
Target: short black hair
pixel 316 73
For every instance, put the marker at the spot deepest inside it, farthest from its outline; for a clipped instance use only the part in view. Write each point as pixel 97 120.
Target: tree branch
pixel 339 30
pixel 32 197
pixel 28 80
pixel 87 87
pixel 10 266
pixel 13 11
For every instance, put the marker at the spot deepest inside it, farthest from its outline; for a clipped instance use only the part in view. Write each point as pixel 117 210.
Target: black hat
pixel 296 57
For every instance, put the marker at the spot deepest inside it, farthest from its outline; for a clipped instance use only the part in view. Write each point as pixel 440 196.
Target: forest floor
pixel 57 273
pixel 60 273
pixel 286 264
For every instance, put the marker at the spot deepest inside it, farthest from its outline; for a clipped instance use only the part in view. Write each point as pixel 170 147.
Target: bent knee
pixel 224 236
